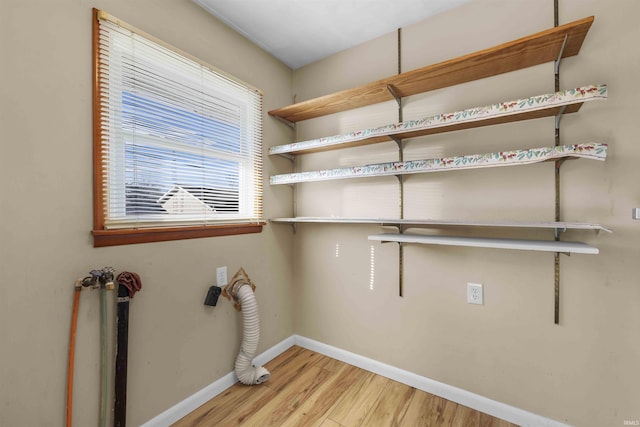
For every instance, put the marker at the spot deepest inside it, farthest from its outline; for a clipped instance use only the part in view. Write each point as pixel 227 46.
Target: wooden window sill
pixel 102 238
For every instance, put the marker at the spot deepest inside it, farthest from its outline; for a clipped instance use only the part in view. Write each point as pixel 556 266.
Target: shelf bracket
pixel 556 289
pixel 392 90
pixel 556 171
pixel 556 63
pixel 292 125
pixel 294 188
pixel 293 160
pixel 559 116
pixel 400 269
pixel 398 141
pixel 557 231
pixel 287 156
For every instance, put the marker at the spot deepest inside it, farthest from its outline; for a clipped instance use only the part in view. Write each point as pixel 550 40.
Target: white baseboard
pixel 217 387
pixel 491 407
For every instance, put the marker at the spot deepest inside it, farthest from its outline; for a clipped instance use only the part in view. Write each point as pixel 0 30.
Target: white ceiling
pixel 299 32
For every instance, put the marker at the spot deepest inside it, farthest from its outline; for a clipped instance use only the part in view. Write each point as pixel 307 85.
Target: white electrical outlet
pixel 474 293
pixel 221 275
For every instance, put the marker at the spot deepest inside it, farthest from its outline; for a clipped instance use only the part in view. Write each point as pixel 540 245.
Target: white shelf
pixel 551 104
pixel 550 45
pixel 482 242
pixel 427 223
pixel 592 151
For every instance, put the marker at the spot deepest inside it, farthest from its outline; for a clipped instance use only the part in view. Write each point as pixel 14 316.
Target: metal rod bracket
pixel 398 141
pixel 292 125
pixel 559 116
pixel 392 90
pixel 556 63
pixel 287 156
pixel 557 231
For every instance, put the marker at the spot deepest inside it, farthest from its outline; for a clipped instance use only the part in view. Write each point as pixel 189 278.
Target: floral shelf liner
pixel 478 114
pixel 593 151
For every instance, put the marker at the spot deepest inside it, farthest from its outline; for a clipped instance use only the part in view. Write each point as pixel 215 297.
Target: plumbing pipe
pixel 88 281
pixel 128 285
pixel 72 351
pixel 122 349
pixel 241 290
pixel 106 282
pixel 103 356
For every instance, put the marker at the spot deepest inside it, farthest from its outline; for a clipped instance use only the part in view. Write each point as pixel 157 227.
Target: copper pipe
pixel 72 350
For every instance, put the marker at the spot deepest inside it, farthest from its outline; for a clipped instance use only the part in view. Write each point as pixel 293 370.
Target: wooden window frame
pixel 111 237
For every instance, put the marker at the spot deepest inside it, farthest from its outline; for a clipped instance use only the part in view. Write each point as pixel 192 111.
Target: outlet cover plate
pixel 221 276
pixel 474 293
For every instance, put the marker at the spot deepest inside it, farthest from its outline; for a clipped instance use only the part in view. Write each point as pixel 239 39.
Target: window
pixel 177 143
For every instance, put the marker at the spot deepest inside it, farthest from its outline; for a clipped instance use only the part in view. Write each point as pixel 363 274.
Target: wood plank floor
pixel 309 389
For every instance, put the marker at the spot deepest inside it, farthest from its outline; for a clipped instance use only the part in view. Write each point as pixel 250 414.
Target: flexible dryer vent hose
pixel 241 290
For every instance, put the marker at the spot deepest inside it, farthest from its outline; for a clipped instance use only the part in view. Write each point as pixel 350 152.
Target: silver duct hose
pixel 242 292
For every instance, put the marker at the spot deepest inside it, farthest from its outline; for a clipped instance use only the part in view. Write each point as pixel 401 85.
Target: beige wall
pixel 585 371
pixel 177 345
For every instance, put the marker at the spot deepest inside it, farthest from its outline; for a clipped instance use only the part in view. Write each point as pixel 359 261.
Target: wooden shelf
pixel 482 242
pixel 428 223
pixel 592 151
pixel 546 46
pixel 525 52
pixel 546 105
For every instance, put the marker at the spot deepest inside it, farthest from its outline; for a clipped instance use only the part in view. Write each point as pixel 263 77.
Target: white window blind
pixel 180 142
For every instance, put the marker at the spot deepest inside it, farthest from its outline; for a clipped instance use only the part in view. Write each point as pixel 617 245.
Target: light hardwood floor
pixel 309 389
